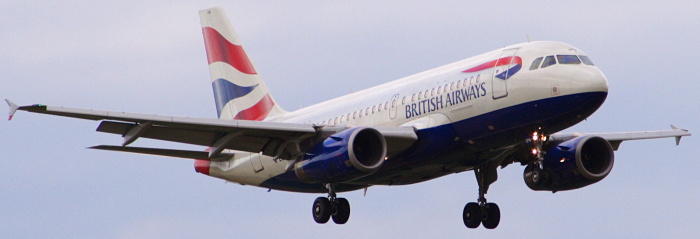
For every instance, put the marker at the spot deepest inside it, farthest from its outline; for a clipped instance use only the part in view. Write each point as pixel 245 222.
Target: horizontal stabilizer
pixel 204 155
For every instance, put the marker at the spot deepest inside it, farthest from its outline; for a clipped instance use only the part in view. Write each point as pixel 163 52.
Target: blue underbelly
pixel 464 142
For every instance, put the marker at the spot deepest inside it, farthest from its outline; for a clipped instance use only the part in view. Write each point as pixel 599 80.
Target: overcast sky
pixel 148 57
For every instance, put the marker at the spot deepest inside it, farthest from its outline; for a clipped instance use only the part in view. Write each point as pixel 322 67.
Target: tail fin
pixel 239 91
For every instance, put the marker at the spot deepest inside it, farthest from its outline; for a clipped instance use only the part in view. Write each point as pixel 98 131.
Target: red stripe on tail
pixel 258 111
pixel 220 49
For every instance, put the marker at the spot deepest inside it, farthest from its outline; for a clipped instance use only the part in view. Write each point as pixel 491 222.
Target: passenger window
pixel 439 89
pixel 420 95
pixel 445 88
pixel 548 61
pixel 361 112
pixel 379 109
pixel 324 122
pixel 452 86
pixel 568 59
pixel 348 117
pixel 367 111
pixel 335 121
pixel 403 102
pixel 386 105
pixel 586 60
pixel 413 97
pixel 354 115
pixel 536 63
pixel 425 94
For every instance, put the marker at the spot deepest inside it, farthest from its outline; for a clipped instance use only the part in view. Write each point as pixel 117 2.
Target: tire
pixel 342 211
pixel 492 217
pixel 533 174
pixel 472 215
pixel 321 210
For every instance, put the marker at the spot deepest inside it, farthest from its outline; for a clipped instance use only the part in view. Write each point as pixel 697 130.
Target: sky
pixel 148 57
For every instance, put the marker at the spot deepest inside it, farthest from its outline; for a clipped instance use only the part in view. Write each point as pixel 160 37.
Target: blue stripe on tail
pixel 225 91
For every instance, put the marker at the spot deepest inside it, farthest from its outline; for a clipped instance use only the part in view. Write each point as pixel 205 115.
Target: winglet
pixel 13 108
pixel 678 138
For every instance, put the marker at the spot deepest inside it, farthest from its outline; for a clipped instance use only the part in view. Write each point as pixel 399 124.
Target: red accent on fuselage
pixel 258 111
pixel 220 49
pixel 202 166
pixel 499 62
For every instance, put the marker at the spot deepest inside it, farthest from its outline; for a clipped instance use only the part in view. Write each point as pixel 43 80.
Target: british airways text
pixel 450 99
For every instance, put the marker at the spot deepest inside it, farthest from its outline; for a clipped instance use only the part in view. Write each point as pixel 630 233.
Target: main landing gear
pixel 482 212
pixel 325 208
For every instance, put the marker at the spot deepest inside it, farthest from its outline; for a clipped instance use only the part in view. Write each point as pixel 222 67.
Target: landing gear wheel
pixel 341 214
pixel 492 217
pixel 321 210
pixel 536 177
pixel 332 206
pixel 534 174
pixel 482 212
pixel 472 215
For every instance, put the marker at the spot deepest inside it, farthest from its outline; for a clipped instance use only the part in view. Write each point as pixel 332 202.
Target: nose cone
pixel 589 80
pixel 591 88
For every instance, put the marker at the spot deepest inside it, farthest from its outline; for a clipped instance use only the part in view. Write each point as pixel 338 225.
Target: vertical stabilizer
pixel 239 91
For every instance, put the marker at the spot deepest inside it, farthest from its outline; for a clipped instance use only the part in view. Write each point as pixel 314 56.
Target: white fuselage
pixel 443 96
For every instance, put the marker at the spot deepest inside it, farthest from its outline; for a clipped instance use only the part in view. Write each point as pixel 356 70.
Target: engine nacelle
pixel 573 164
pixel 344 156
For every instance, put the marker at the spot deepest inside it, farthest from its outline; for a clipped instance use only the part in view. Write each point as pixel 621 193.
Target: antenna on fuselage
pixel 528 38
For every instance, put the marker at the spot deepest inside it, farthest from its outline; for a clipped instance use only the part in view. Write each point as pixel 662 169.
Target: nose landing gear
pixel 533 172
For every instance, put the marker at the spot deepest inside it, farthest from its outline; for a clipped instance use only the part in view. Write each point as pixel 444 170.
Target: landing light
pixel 534 151
pixel 562 160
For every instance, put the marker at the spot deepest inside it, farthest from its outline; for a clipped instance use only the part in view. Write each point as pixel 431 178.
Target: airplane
pixel 502 107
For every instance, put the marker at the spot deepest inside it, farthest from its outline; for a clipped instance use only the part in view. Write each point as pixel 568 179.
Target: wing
pixel 274 139
pixel 616 139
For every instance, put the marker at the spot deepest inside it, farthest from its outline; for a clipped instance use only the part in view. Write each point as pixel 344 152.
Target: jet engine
pixel 344 156
pixel 573 164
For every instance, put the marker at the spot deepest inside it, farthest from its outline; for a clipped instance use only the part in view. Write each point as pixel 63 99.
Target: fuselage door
pixel 394 106
pixel 256 161
pixel 499 78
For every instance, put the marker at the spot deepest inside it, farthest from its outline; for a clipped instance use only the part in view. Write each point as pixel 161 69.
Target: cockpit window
pixel 586 60
pixel 548 61
pixel 568 59
pixel 536 63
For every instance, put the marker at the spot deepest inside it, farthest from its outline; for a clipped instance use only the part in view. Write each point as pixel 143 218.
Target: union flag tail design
pixel 239 92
